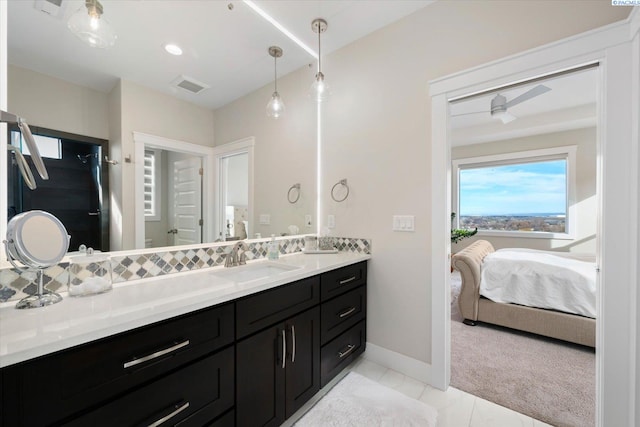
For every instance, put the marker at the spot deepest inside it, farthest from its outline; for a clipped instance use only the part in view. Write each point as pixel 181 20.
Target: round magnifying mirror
pixel 38 240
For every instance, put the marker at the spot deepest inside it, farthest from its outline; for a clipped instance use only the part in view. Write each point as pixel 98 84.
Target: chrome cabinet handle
pixel 157 354
pixel 350 348
pixel 347 312
pixel 94 213
pixel 293 343
pixel 350 279
pixel 171 415
pixel 284 348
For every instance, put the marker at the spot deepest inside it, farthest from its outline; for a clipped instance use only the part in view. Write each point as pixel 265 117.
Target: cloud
pixel 511 189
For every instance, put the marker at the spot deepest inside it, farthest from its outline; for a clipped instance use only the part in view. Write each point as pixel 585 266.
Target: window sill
pixel 526 234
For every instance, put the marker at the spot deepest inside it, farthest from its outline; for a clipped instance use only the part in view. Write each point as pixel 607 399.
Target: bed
pixel 573 322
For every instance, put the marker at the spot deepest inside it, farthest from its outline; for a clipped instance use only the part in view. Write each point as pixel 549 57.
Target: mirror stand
pixel 41 298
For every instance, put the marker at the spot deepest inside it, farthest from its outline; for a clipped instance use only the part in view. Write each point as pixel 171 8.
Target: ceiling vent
pixel 55 8
pixel 189 84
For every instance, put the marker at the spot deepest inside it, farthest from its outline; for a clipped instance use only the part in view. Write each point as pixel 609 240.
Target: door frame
pixel 612 47
pixel 244 145
pixel 142 140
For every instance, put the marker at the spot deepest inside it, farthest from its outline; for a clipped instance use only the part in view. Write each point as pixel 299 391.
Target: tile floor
pixel 456 408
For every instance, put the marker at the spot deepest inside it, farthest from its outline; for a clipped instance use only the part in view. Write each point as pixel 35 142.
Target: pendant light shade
pixel 319 89
pixel 275 107
pixel 89 24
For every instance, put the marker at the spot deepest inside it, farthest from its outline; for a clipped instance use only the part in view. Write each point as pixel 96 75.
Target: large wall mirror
pixel 58 82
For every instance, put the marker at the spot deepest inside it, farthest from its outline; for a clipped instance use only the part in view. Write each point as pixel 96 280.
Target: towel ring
pixel 297 197
pixel 342 182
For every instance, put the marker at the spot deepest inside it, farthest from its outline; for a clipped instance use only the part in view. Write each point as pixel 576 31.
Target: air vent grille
pixel 189 84
pixel 55 8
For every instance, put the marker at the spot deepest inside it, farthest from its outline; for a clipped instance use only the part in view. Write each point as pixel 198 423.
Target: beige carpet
pixel 546 379
pixel 358 401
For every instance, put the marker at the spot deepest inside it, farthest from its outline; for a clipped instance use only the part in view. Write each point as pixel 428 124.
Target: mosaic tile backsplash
pixel 15 285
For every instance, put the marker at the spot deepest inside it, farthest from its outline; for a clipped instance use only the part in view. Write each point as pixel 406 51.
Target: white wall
pixel 284 151
pixel 56 104
pixel 237 180
pixel 586 203
pixel 376 133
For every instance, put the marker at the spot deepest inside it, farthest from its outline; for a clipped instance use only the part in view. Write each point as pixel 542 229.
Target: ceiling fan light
pixel 90 26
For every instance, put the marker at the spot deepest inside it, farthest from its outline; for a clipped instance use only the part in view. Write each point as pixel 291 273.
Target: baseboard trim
pixel 406 365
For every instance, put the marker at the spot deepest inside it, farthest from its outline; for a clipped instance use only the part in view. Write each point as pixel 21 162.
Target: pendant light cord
pixel 275 72
pixel 319 51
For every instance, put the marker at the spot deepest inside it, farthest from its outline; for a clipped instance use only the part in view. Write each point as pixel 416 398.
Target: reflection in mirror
pixel 59 83
pixel 234 179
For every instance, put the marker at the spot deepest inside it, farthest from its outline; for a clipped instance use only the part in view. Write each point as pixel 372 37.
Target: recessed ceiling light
pixel 173 49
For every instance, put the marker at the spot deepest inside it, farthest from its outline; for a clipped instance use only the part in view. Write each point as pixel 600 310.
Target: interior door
pixel 187 201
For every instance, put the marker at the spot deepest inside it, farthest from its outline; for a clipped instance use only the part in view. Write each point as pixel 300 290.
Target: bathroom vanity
pixel 176 351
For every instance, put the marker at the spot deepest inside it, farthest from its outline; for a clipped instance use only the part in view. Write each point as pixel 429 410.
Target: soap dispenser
pixel 273 250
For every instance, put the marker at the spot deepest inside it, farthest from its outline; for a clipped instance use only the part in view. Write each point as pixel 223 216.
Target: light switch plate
pixel 265 219
pixel 403 223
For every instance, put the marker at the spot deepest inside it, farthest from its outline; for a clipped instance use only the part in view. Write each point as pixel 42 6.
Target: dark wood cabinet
pixel 344 311
pixel 278 370
pixel 251 362
pixel 68 382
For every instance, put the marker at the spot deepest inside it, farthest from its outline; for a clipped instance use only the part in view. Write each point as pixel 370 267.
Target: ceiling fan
pixel 499 104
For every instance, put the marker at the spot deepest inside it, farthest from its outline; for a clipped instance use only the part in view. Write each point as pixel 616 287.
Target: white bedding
pixel 540 279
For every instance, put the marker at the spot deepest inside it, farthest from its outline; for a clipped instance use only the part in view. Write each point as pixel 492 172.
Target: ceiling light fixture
pixel 319 89
pixel 275 107
pixel 91 27
pixel 173 49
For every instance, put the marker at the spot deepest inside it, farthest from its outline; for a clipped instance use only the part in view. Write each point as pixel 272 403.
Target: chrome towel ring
pixel 342 182
pixel 296 197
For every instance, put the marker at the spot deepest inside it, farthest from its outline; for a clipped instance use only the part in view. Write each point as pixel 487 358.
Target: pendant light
pixel 319 89
pixel 275 107
pixel 91 27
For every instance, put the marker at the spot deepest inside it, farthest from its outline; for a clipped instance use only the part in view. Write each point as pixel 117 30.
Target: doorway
pixel 76 191
pixel 528 182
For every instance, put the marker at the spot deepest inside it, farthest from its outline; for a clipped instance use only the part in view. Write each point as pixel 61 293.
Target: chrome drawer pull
pixel 284 349
pixel 171 415
pixel 152 356
pixel 293 341
pixel 350 348
pixel 350 279
pixel 348 312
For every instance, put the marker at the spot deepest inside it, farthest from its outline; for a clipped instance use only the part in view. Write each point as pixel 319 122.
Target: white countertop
pixel 26 334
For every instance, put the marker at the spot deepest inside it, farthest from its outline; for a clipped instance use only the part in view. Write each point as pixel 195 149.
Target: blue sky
pixel 514 189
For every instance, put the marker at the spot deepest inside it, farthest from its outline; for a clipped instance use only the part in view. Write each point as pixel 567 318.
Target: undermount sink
pixel 254 271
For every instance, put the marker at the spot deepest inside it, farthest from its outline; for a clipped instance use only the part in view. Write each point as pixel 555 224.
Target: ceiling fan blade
pixel 468 114
pixel 532 93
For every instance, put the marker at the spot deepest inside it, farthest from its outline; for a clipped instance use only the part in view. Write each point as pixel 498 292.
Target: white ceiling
pixel 571 104
pixel 225 49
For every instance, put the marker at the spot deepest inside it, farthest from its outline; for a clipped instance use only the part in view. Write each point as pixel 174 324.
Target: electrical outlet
pixel 331 221
pixel 307 220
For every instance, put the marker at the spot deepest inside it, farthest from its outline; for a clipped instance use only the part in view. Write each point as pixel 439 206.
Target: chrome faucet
pixel 232 259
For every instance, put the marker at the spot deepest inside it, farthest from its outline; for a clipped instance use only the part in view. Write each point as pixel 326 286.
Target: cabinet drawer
pixel 338 353
pixel 339 314
pixel 89 374
pixel 344 279
pixel 267 308
pixel 205 387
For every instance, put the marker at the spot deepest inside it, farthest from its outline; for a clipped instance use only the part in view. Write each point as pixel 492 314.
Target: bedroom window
pixel 523 194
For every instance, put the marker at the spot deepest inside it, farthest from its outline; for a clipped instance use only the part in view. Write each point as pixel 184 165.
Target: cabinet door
pixel 303 359
pixel 260 378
